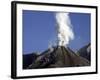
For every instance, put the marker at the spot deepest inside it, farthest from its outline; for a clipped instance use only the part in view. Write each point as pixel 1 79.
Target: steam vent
pixel 58 57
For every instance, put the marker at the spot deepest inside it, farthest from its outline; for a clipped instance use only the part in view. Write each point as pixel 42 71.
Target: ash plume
pixel 64 28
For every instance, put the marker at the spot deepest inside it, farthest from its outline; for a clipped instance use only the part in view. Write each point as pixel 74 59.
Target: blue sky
pixel 39 30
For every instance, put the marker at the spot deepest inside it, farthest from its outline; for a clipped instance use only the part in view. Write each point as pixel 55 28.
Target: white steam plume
pixel 64 29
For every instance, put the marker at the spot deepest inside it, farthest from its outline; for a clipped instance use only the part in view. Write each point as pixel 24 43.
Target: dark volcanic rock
pixel 59 57
pixel 28 59
pixel 85 52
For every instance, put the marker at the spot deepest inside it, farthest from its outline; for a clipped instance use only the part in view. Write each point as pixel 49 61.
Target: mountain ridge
pixel 58 56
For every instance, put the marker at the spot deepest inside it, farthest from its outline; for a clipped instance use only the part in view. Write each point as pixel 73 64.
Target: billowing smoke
pixel 64 28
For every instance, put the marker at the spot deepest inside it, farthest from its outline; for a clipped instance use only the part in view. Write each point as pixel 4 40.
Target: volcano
pixel 58 56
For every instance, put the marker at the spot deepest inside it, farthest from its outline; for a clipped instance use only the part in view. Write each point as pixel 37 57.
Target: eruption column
pixel 64 28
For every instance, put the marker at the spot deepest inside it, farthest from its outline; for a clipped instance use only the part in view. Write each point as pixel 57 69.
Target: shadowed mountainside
pixel 85 52
pixel 28 59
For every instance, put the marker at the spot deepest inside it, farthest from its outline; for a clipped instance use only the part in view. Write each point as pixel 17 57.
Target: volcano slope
pixel 85 52
pixel 58 57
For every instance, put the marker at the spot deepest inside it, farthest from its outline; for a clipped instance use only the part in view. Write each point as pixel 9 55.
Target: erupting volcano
pixel 60 55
